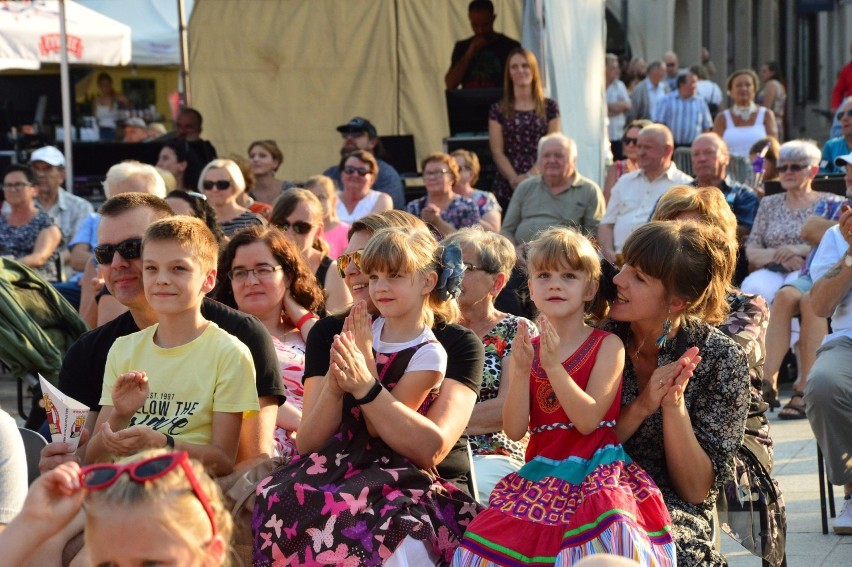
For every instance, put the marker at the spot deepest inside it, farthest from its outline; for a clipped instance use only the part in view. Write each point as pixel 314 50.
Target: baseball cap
pixel 358 124
pixel 135 122
pixel 49 155
pixel 843 161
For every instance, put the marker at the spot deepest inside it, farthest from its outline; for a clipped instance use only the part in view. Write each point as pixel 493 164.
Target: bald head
pixel 710 159
pixel 654 149
pixel 672 63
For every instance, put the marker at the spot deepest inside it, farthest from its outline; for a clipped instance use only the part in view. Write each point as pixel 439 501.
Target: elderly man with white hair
pixel 558 196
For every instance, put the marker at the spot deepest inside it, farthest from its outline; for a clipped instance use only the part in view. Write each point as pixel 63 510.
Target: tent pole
pixel 183 84
pixel 66 99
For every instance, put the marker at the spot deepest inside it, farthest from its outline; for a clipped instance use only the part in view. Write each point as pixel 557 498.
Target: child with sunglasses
pixel 182 382
pixel 354 499
pixel 171 506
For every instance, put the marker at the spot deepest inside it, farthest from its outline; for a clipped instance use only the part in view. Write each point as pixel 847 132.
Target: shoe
pixel 770 396
pixel 792 410
pixel 843 521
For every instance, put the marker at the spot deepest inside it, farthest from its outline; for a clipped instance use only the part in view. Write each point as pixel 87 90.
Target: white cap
pixel 49 155
pixel 135 123
pixel 843 161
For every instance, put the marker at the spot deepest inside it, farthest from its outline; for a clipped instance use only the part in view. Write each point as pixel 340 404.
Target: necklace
pixel 744 112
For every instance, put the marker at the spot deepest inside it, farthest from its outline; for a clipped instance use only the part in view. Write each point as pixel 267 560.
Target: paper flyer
pixel 65 415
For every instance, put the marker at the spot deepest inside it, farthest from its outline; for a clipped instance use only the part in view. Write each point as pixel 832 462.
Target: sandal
pixel 792 411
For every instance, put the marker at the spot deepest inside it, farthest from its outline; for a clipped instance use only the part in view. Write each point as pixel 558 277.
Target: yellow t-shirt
pixel 186 384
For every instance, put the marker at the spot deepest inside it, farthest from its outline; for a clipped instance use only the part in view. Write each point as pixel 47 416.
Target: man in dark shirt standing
pixel 478 61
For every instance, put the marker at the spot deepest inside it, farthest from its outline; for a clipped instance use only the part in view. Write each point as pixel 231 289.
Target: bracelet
pixel 372 394
pixel 303 319
pixel 170 441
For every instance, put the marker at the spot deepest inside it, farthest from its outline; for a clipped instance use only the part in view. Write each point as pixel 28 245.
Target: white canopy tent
pixel 60 31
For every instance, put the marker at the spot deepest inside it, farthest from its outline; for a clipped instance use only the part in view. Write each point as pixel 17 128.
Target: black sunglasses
pixel 841 115
pixel 630 141
pixel 299 227
pixel 362 171
pixel 794 167
pixel 221 185
pixel 129 249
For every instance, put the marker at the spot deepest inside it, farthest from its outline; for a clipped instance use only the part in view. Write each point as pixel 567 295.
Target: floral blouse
pixel 18 241
pixel 717 400
pixel 498 345
pixel 485 201
pixel 777 225
pixel 521 134
pixel 460 212
pixel 291 358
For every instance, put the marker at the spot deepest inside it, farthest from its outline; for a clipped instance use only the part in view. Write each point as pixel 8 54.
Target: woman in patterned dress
pixel 486 202
pixel 579 493
pixel 489 259
pixel 441 208
pixel 683 431
pixel 516 123
pixel 267 278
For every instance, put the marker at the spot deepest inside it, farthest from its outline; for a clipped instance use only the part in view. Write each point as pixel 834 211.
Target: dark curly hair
pixel 303 285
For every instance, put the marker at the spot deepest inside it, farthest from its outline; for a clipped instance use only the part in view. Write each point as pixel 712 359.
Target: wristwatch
pixel 372 394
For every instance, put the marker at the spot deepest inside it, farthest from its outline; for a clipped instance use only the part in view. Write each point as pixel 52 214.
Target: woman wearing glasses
pixel 267 278
pixel 440 207
pixel 488 260
pixel 221 182
pixel 628 164
pixel 358 172
pixel 27 234
pixel 298 213
pixel 486 202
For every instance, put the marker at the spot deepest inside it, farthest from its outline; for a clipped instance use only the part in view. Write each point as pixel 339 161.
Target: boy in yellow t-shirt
pixel 182 383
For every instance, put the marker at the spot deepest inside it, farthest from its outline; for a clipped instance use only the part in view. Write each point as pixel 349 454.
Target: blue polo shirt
pixel 741 198
pixel 834 148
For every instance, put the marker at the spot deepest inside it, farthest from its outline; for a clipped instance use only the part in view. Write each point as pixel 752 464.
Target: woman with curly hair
pixel 267 278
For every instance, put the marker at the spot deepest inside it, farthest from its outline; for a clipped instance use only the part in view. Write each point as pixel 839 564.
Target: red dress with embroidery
pixel 577 495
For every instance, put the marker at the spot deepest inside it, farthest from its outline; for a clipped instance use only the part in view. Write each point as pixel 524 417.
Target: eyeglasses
pixel 344 259
pixel 351 170
pixel 630 141
pixel 841 115
pixel 263 272
pixel 299 227
pixel 104 475
pixel 15 187
pixel 465 168
pixel 436 173
pixel 794 167
pixel 475 268
pixel 129 249
pixel 221 185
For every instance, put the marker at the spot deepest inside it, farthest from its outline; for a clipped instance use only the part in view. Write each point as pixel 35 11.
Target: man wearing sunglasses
pixel 124 220
pixel 360 134
pixel 841 145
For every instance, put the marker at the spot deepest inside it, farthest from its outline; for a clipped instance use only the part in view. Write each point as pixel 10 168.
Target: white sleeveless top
pixel 106 115
pixel 362 208
pixel 741 138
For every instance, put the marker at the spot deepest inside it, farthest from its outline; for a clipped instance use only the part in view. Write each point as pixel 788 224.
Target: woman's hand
pixel 350 367
pixel 667 377
pixel 292 310
pixel 794 264
pixel 129 393
pixel 431 213
pixel 360 326
pixel 517 179
pixel 786 253
pixel 549 345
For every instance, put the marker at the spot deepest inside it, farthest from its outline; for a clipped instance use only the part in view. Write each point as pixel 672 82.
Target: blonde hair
pixel 287 202
pixel 324 185
pixel 410 252
pixel 707 202
pixel 693 261
pixel 440 157
pixel 230 166
pixel 562 247
pixel 471 160
pixel 191 233
pixel 179 509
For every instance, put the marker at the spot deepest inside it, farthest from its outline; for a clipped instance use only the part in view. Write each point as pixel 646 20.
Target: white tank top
pixel 362 208
pixel 106 115
pixel 741 138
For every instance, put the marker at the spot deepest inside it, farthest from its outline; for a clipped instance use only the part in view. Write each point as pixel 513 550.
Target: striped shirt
pixel 685 117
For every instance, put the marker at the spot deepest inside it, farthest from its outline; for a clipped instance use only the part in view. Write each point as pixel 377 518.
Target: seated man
pixel 841 145
pixel 360 134
pixel 828 392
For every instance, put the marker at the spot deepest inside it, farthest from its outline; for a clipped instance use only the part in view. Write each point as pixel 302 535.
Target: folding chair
pixel 824 486
pixel 33 444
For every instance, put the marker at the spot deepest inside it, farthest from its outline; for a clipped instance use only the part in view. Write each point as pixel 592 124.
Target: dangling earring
pixel 664 338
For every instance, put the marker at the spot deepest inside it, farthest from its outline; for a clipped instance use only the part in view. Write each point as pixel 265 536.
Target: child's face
pixel 400 295
pixel 174 280
pixel 562 292
pixel 108 542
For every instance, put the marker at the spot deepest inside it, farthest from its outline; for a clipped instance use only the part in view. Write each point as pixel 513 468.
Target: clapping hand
pixel 351 369
pixel 131 440
pixel 520 362
pixel 549 345
pixel 359 324
pixel 666 379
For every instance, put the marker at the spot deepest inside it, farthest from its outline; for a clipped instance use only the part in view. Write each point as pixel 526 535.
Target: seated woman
pixel 683 431
pixel 27 234
pixel 196 205
pixel 334 231
pixel 298 213
pixel 266 157
pixel 222 181
pixel 267 278
pixel 351 497
pixel 358 171
pixel 177 158
pixel 486 202
pixel 441 208
pixel 489 259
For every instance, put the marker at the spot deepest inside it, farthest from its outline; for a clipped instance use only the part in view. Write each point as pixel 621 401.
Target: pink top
pixel 337 239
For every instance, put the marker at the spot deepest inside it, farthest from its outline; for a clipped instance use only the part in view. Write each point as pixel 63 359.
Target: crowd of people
pixel 534 372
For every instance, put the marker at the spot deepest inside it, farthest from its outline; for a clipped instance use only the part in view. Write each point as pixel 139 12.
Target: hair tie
pixel 450 272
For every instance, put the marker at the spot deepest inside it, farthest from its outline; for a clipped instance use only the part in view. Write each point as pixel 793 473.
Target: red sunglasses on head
pixel 104 475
